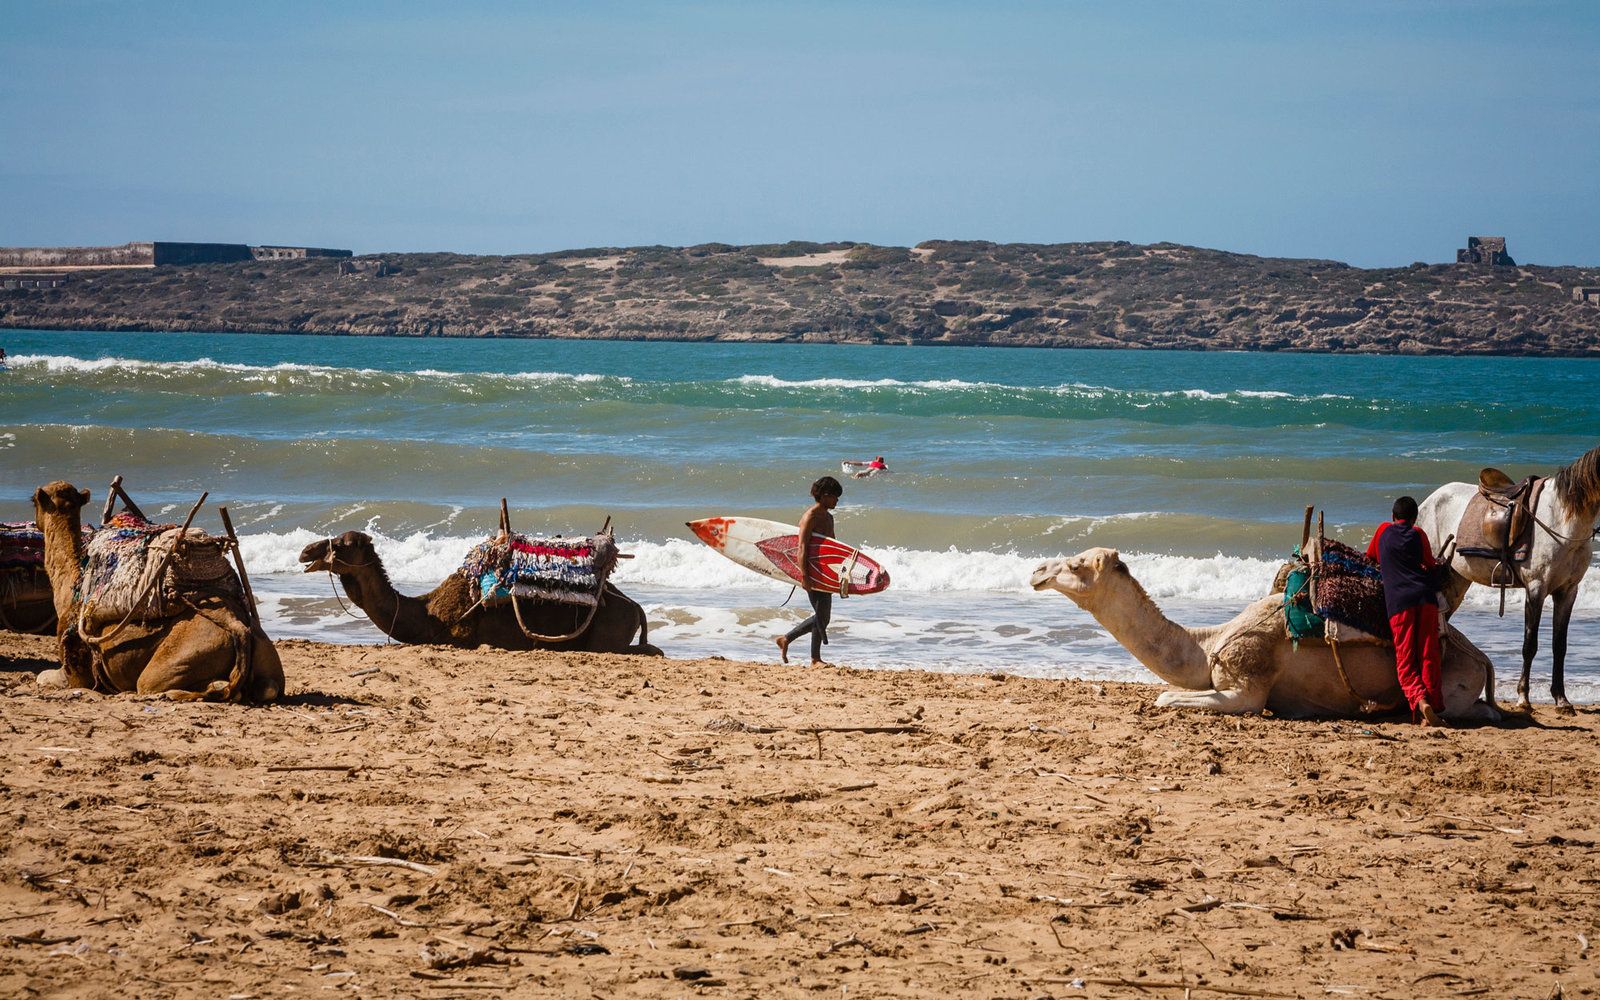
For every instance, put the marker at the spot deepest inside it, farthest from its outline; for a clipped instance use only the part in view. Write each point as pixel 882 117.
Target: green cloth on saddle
pixel 1302 621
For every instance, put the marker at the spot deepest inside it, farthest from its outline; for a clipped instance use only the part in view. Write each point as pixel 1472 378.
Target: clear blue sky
pixel 1373 132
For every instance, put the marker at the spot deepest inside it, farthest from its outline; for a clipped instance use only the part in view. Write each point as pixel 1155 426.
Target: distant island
pixel 941 292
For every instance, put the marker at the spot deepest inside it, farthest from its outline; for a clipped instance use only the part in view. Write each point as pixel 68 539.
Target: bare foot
pixel 783 647
pixel 1430 717
pixel 821 663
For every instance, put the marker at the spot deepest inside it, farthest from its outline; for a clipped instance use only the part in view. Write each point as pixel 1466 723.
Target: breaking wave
pixel 954 397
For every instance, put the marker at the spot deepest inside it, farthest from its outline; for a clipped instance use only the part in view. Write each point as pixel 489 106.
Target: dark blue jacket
pixel 1405 557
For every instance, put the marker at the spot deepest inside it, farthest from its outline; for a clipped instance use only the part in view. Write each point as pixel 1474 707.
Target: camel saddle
pixel 1498 524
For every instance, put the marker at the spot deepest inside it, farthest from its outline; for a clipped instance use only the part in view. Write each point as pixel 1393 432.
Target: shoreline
pixel 554 823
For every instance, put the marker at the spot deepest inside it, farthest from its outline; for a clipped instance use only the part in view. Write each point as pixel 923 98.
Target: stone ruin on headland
pixel 1490 250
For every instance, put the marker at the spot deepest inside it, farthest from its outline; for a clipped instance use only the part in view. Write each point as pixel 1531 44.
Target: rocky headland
pixel 938 293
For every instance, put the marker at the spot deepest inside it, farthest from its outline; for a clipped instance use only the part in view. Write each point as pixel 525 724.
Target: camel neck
pixel 63 557
pixel 402 618
pixel 1166 648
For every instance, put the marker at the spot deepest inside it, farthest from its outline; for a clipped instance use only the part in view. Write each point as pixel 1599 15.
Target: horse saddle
pixel 1498 524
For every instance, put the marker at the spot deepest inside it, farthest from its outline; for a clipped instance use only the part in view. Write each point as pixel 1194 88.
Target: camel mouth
pixel 315 556
pixel 1042 577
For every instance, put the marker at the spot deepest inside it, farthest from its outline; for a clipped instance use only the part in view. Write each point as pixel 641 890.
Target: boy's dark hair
pixel 827 486
pixel 1405 509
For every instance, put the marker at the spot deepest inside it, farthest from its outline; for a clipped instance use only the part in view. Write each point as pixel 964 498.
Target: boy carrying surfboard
pixel 817 520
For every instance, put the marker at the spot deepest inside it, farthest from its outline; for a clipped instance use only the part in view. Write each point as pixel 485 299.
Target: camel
pixel 1250 664
pixel 205 652
pixel 1563 544
pixel 447 615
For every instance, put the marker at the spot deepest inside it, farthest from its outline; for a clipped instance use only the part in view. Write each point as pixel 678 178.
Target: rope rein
pixel 1363 703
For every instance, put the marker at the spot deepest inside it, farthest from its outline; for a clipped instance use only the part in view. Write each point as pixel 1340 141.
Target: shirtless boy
pixel 818 520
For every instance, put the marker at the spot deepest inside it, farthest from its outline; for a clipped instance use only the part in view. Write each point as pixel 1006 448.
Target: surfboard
pixel 772 549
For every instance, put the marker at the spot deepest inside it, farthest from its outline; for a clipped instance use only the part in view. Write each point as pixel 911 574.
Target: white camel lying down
pixel 1249 663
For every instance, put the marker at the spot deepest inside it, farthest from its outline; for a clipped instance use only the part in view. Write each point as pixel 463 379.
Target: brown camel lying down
pixel 446 615
pixel 207 651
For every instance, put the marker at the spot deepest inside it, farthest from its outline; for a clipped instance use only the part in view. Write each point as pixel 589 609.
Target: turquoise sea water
pixel 1196 466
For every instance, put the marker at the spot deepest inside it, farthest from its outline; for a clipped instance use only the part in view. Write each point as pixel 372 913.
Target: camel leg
pixel 1565 600
pixel 1236 701
pixel 1467 674
pixel 187 659
pixel 1532 612
pixel 51 680
pixel 266 670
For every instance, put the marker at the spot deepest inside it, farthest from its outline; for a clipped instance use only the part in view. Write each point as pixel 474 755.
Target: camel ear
pixel 1107 557
pixel 39 498
pixel 83 496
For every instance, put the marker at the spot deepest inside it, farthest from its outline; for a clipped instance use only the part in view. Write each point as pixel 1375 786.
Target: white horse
pixel 1563 540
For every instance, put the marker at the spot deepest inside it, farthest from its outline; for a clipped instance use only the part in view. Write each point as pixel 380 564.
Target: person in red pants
pixel 1405 558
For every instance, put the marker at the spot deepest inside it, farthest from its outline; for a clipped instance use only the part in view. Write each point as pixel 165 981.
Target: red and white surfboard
pixel 773 549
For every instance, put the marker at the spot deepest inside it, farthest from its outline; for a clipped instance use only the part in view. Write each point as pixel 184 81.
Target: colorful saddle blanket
pixel 22 545
pixel 1347 589
pixel 567 570
pixel 123 558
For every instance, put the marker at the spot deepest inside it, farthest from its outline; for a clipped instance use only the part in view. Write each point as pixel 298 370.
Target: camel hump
pixel 1495 481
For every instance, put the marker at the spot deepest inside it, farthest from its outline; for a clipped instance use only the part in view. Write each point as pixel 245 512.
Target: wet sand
pixel 428 822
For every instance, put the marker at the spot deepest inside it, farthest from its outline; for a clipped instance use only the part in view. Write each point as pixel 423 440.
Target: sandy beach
pixel 430 822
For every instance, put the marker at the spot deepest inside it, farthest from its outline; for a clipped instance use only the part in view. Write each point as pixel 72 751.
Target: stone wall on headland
pixel 155 253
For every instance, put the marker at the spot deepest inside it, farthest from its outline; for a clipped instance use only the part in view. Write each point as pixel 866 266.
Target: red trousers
pixel 1418 656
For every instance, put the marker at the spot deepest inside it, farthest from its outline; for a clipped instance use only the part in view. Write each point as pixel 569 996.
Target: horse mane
pixel 1578 484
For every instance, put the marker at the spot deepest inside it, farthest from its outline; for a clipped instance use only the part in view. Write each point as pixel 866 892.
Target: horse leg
pixel 1532 612
pixel 1562 617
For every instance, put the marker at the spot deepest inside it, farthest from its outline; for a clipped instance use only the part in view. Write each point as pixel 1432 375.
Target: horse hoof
pixel 1565 708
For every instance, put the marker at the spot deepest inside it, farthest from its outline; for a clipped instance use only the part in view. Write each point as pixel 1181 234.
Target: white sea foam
pixel 554 377
pixel 774 382
pixel 465 381
pixel 685 565
pixel 68 363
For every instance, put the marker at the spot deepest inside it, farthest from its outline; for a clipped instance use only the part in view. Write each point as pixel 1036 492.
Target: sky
pixel 1377 133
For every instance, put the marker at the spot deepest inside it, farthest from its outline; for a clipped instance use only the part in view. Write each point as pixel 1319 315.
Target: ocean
pixel 1197 467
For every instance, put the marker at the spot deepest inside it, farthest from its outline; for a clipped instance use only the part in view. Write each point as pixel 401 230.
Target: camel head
pixel 343 554
pixel 1079 576
pixel 60 498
